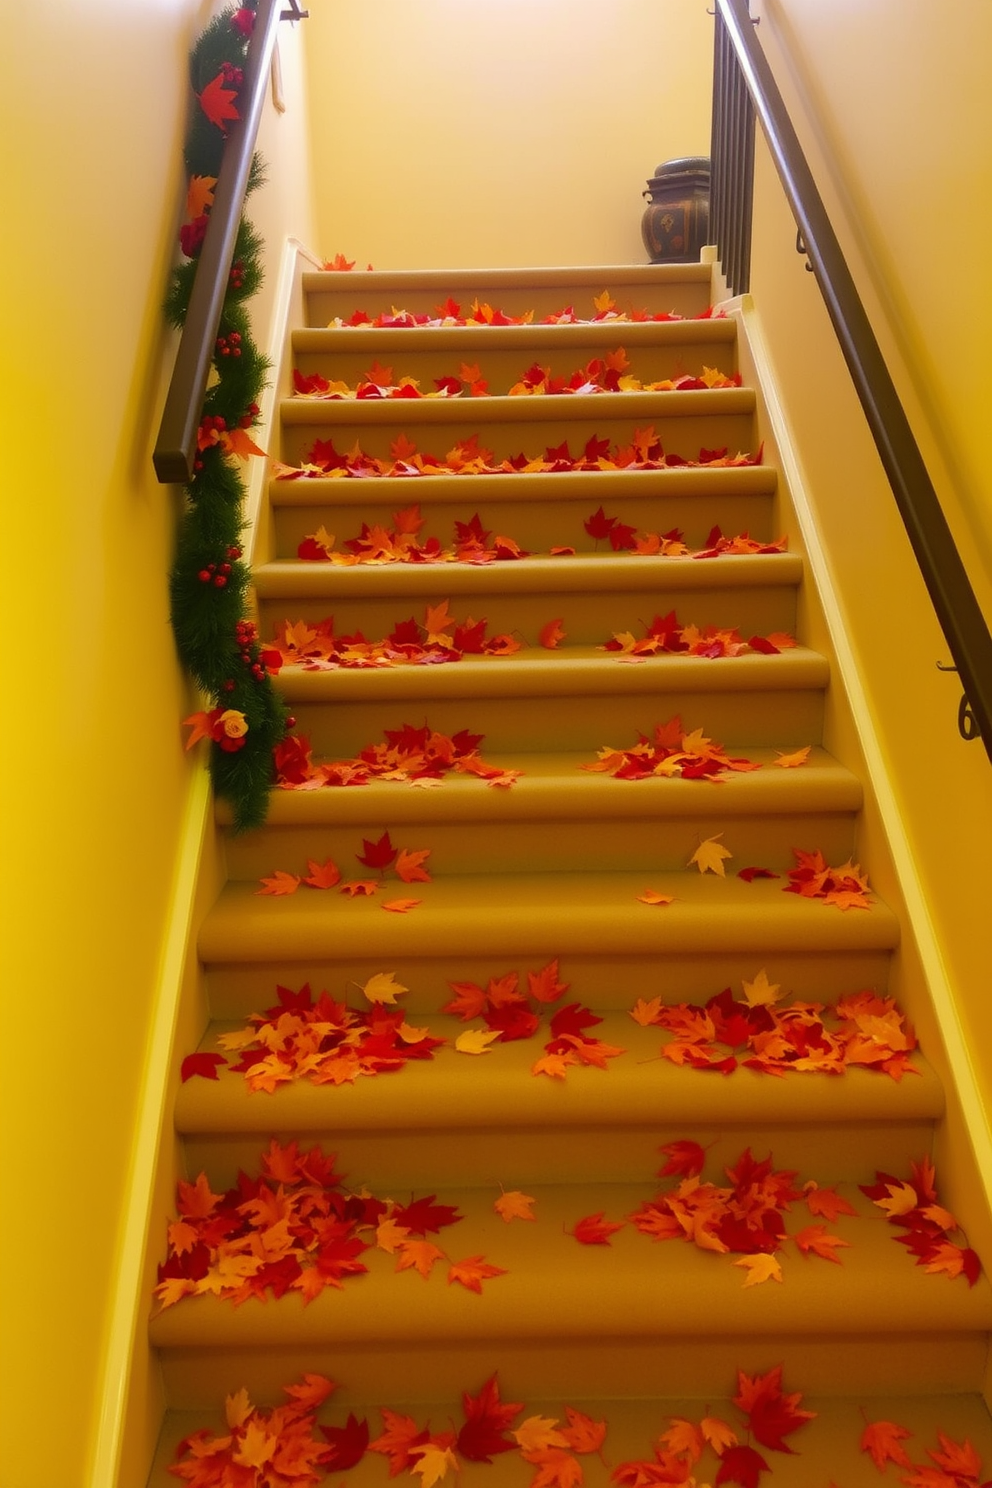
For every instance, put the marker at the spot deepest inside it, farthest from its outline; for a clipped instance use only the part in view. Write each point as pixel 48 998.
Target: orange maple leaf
pixel 280 883
pixel 544 985
pixel 882 1439
pixel 355 886
pixel 791 761
pixel 401 906
pixel 473 1271
pixel 239 442
pixel 595 1230
pixel 552 634
pixel 582 1433
pixel 421 1255
pixel 815 1238
pixel 339 264
pixel 199 196
pixel 555 1468
pixel 322 875
pixel 651 896
pixel 409 865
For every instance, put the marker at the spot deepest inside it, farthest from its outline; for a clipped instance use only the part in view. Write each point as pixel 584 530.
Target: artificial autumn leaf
pixel 710 854
pixel 816 1240
pixel 401 1434
pixel 199 195
pixel 201 1064
pixel 432 1463
pixel 651 896
pixel 684 1158
pixel 826 1202
pixel 882 1440
pixel 551 635
pixel 759 992
pixel 322 875
pixel 217 102
pixel 421 1255
pixel 771 1414
pixel 383 987
pixel 515 1205
pixel 380 854
pixel 409 865
pixel 759 1268
pixel 473 1271
pixel 555 1468
pixel 476 1040
pixel 486 1419
pixel 239 442
pixel 348 1443
pixel 339 264
pixel 791 761
pixel 958 1458
pixel 538 1433
pixel 595 1230
pixel 741 1465
pixel 357 887
pixel 401 906
pixel 279 883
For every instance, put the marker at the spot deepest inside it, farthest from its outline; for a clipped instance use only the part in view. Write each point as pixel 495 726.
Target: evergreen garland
pixel 217 641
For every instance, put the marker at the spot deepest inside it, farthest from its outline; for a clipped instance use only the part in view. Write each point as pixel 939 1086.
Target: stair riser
pixel 651 844
pixel 536 525
pixel 338 730
pixel 531 426
pixel 683 294
pixel 586 620
pixel 239 988
pixel 504 368
pixel 576 1369
pixel 402 1161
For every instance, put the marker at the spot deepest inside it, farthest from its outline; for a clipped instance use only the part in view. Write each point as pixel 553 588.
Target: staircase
pixel 555 864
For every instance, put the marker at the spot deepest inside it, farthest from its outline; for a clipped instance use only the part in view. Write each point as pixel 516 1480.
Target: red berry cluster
pixel 243 20
pixel 246 634
pixel 229 345
pixel 233 76
pixel 237 274
pixel 247 419
pixel 218 573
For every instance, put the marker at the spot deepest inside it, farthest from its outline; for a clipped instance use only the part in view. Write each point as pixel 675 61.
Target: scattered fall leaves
pixel 670 751
pixel 380 856
pixel 467 457
pixel 666 635
pixel 322 1041
pixel 861 1029
pixel 481 313
pixel 606 374
pixel 845 887
pixel 955 1464
pixel 293 1227
pixel 912 1205
pixel 408 754
pixel 438 639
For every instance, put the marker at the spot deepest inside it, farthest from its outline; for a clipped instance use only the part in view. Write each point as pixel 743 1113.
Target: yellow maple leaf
pixel 604 302
pixel 902 1197
pixel 433 1463
pixel 759 1268
pixel 473 1271
pixel 717 1433
pixel 383 987
pixel 389 1234
pixel 761 992
pixel 476 1040
pixel 645 1012
pixel 710 854
pixel 516 1205
pixel 538 1433
pixel 237 1408
pixel 256 1446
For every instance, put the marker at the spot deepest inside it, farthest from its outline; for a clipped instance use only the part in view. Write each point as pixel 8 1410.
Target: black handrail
pixel 951 594
pixel 175 449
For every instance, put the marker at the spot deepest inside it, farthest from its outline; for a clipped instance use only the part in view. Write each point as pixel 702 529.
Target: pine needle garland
pixel 210 580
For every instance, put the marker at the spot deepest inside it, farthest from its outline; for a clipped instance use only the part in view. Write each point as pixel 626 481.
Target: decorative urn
pixel 676 219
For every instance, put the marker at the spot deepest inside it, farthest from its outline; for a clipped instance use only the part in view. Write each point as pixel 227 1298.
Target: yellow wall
pixel 463 133
pixel 867 80
pixel 95 781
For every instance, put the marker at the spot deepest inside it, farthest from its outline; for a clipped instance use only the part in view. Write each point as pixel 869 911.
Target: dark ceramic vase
pixel 677 217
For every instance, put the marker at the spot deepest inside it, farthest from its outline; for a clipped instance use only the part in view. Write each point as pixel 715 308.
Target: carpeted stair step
pixel 538 700
pixel 591 596
pixel 824 1450
pixel 655 350
pixel 684 422
pixel 556 1288
pixel 593 1125
pixel 558 817
pixel 528 919
pixel 681 289
pixel 539 511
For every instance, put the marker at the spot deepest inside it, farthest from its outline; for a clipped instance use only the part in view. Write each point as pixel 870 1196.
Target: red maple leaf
pixel 595 1230
pixel 686 1158
pixel 377 854
pixel 217 102
pixel 486 1419
pixel 348 1443
pixel 742 1465
pixel 599 524
pixel 201 1064
pixel 424 1215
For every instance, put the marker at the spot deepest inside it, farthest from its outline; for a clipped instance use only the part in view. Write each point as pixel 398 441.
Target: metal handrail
pixel 957 609
pixel 175 448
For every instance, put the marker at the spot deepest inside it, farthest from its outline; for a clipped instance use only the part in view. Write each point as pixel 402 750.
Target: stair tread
pixel 699 403
pixel 564 275
pixel 638 1089
pixel 577 485
pixel 633 1287
pixel 585 572
pixel 823 1450
pixel 458 339
pixel 533 915
pixel 534 672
